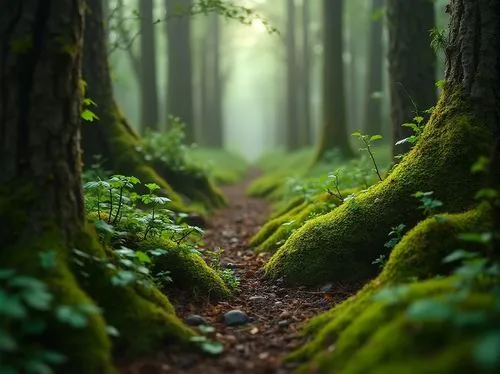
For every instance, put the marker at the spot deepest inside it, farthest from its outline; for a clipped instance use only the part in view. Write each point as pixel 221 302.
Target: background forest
pixel 254 186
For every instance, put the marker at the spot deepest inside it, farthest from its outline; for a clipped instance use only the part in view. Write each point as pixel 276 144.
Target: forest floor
pixel 275 313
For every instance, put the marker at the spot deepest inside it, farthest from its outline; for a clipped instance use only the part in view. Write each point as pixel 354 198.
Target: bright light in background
pixel 259 25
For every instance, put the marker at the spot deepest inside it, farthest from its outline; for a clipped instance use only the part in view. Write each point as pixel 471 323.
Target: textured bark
pixel 333 133
pixel 292 121
pixel 373 104
pixel 149 90
pixel 180 90
pixel 412 64
pixel 40 56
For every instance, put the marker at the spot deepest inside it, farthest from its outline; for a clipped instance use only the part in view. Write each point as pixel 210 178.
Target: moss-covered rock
pixel 342 245
pixel 188 271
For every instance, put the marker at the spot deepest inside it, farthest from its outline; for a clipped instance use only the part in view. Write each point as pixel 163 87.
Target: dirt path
pixel 276 313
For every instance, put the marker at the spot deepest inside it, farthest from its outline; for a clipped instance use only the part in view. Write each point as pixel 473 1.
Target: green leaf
pixel 38 299
pixel 6 273
pixel 52 357
pixel 7 342
pixel 142 257
pixel 356 133
pixel 459 255
pixel 48 259
pixel 71 316
pixel 487 352
pixel 212 347
pixel 482 238
pixel 375 137
pixel 152 186
pixel 429 310
pixel 112 331
pixel 11 307
pixel 88 115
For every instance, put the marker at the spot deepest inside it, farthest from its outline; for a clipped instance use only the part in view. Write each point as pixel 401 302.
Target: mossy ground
pixel 342 245
pixel 188 271
pixel 142 315
pixel 377 336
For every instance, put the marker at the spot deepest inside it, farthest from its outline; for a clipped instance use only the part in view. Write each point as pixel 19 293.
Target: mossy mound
pixel 367 332
pixel 275 232
pixel 342 245
pixel 194 185
pixel 385 337
pixel 189 272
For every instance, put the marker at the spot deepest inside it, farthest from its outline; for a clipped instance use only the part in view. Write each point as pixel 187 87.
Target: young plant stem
pixel 120 201
pixel 110 205
pixel 371 156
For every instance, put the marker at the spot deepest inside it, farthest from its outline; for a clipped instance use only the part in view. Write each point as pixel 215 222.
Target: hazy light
pixel 259 25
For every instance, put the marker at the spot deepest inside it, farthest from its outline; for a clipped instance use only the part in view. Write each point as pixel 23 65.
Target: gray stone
pixel 195 320
pixel 235 318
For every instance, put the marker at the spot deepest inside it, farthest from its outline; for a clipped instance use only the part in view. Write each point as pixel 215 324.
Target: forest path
pixel 276 313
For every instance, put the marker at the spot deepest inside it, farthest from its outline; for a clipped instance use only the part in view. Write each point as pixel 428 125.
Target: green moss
pixel 342 245
pixel 88 349
pixel 381 338
pixel 277 231
pixel 188 271
pixel 143 315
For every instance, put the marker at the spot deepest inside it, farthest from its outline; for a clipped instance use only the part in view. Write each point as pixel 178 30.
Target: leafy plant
pixel 429 205
pixel 417 128
pixel 227 275
pixel 206 344
pixel 27 309
pixel 367 140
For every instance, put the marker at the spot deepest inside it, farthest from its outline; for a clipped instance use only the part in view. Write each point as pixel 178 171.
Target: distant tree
pixel 373 104
pixel 211 126
pixel 149 89
pixel 305 118
pixel 292 121
pixel 333 133
pixel 412 64
pixel 180 71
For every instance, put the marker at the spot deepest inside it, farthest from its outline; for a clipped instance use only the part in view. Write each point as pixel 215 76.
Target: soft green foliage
pixel 223 167
pixel 127 221
pixel 168 154
pixel 227 275
pixel 367 140
pixel 206 344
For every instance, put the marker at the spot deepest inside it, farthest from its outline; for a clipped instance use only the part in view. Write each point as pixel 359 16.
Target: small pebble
pixel 195 320
pixel 235 318
pixel 257 299
pixel 284 323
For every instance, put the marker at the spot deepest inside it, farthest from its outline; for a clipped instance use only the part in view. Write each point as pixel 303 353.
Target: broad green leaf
pixel 88 115
pixel 429 310
pixel 487 351
pixel 375 137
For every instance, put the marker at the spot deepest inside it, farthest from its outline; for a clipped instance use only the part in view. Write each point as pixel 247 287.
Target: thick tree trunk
pixel 180 90
pixel 149 90
pixel 292 120
pixel 333 133
pixel 373 103
pixel 412 64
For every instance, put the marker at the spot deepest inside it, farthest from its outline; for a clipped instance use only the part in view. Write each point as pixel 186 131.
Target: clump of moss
pixel 366 328
pixel 189 272
pixel 342 245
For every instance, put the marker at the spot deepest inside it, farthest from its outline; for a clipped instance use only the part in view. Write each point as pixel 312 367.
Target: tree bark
pixel 333 133
pixel 412 64
pixel 149 90
pixel 373 109
pixel 180 90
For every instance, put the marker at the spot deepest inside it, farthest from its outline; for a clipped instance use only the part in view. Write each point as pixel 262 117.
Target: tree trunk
pixel 292 120
pixel 465 125
pixel 412 64
pixel 373 104
pixel 212 121
pixel 180 90
pixel 149 90
pixel 334 128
